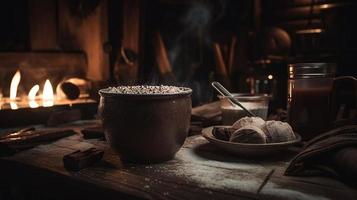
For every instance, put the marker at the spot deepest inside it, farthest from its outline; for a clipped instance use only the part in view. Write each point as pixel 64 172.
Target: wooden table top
pixel 199 171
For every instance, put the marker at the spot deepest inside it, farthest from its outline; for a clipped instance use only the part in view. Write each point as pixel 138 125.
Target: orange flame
pixel 47 94
pixel 13 105
pixel 14 84
pixel 33 92
pixel 32 96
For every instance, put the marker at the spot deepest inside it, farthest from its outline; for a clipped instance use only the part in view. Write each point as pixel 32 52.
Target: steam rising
pixel 198 17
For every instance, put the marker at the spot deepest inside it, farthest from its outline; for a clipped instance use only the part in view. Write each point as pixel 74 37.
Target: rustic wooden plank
pixel 199 170
pixel 131 38
pixel 49 158
pixel 172 178
pixel 49 165
pixel 155 186
pixel 219 179
pixel 45 184
pixel 43 24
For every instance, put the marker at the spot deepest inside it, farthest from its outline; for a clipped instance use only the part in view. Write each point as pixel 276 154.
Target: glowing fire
pixel 47 94
pixel 13 105
pixel 14 84
pixel 13 89
pixel 33 92
pixel 35 98
pixel 32 96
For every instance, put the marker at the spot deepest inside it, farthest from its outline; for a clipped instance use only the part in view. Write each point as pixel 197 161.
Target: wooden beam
pixel 43 25
pixel 87 34
pixel 131 33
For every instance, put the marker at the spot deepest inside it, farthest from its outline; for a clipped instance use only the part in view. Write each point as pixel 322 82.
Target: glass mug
pixel 257 104
pixel 310 89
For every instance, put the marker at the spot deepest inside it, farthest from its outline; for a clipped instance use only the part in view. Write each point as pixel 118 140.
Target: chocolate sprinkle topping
pixel 146 89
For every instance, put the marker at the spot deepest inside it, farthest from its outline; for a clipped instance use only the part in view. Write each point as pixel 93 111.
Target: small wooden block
pixel 93 133
pixel 82 159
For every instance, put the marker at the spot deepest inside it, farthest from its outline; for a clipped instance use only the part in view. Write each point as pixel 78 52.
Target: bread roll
pixel 251 121
pixel 277 131
pixel 248 134
pixel 222 133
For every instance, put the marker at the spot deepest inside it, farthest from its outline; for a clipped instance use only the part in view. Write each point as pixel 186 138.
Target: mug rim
pixel 313 63
pixel 248 96
pixel 311 70
pixel 104 92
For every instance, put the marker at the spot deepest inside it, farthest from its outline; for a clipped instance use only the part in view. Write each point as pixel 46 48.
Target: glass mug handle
pixel 344 101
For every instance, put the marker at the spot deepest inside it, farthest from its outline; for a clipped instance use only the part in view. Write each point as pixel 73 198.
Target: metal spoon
pixel 224 92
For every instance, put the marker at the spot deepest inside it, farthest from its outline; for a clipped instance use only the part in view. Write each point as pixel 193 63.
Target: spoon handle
pixel 224 92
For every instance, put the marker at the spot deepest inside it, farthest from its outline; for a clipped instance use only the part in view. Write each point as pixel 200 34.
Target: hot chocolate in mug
pixel 312 97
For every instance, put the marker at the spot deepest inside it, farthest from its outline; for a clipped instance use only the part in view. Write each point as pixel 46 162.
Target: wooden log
pixel 70 90
pixel 34 137
pixel 18 133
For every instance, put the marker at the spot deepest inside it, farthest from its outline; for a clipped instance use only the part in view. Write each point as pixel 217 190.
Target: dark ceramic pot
pixel 145 128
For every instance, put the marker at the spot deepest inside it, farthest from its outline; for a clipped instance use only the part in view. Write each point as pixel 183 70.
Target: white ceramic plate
pixel 248 149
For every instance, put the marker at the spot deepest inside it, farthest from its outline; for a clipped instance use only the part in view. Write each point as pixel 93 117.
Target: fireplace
pixel 35 86
pixel 51 61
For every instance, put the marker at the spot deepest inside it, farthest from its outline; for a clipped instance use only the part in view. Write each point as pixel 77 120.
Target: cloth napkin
pixel 332 154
